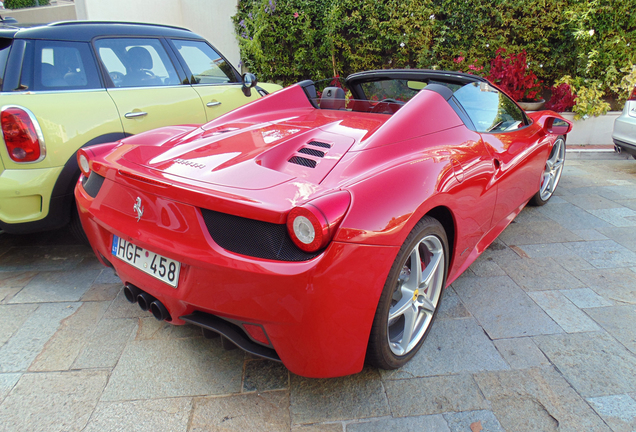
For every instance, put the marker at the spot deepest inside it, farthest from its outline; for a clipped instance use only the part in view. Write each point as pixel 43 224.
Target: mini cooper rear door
pixel 147 85
pixel 512 141
pixel 212 76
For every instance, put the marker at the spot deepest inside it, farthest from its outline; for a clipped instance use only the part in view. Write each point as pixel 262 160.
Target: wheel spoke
pixel 416 270
pixel 431 270
pixel 410 318
pixel 400 307
pixel 425 302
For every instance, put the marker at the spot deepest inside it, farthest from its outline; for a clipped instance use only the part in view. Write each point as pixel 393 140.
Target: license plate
pixel 164 269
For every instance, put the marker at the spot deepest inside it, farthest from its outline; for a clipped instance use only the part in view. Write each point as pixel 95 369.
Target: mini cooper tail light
pixel 633 95
pixel 22 135
pixel 313 225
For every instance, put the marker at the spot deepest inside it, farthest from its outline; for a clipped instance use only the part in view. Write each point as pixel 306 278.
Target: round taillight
pixel 22 134
pixel 83 164
pixel 307 228
pixel 313 225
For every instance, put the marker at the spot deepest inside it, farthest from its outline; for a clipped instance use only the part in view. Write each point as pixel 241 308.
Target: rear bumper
pixel 317 314
pixel 25 200
pixel 624 133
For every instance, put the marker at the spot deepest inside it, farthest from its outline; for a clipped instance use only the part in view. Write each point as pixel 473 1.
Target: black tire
pixel 551 175
pixel 75 226
pixel 384 350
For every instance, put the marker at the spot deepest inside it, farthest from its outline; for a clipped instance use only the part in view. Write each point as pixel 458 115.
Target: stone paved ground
pixel 538 335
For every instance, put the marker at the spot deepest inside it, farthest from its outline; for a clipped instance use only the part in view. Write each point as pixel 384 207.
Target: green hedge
pixel 19 4
pixel 290 40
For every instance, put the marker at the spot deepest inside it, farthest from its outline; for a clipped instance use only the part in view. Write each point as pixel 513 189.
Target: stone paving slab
pixel 434 395
pixel 406 424
pixel 354 396
pixel 539 331
pixel 29 340
pixel 57 286
pixel 563 312
pixel 141 416
pixel 618 411
pixel 502 308
pixel 174 368
pixel 52 401
pixel 521 353
pixel 594 364
pixel 64 346
pixel 537 400
pixel 267 411
pixel 619 322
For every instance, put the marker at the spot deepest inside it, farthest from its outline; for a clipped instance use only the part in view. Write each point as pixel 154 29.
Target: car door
pixel 212 77
pixel 146 85
pixel 514 142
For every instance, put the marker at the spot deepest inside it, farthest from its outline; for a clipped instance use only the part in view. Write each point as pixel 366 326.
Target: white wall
pixel 209 18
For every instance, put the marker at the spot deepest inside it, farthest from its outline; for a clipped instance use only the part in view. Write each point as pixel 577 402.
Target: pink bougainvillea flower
pixel 459 59
pixel 295 14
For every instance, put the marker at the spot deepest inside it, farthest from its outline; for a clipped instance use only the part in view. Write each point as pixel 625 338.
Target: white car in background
pixel 624 134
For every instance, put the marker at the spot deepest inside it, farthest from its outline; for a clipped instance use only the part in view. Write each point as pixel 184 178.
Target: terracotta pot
pixel 532 106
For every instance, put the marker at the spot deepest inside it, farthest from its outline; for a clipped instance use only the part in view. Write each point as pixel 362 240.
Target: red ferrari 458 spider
pixel 320 231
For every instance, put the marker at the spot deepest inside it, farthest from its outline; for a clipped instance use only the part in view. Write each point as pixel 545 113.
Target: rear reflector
pixel 257 333
pixel 22 135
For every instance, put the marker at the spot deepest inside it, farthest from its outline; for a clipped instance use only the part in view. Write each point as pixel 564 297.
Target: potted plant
pixel 512 75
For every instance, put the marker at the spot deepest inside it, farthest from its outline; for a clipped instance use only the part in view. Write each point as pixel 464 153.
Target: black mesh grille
pixel 303 161
pixel 312 152
pixel 93 184
pixel 253 237
pixel 319 144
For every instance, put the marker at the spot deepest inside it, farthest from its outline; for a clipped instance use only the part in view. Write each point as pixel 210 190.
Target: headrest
pixel 139 58
pixel 332 98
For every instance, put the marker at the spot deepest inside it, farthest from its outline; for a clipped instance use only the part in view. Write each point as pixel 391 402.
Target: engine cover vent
pixel 303 161
pixel 312 152
pixel 319 144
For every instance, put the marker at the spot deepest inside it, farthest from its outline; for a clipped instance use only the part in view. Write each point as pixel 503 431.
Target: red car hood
pixel 252 155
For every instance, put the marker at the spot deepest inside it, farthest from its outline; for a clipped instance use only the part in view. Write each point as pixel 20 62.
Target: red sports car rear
pixel 318 233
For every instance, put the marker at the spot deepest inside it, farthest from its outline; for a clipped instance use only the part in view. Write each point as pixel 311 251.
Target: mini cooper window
pixel 137 62
pixel 205 64
pixel 64 66
pixel 5 46
pixel 489 109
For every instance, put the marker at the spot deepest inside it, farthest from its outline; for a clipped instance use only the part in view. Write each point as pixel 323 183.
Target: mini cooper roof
pixel 85 31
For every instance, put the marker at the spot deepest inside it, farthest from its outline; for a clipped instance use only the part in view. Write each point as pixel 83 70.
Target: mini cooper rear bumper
pixel 316 314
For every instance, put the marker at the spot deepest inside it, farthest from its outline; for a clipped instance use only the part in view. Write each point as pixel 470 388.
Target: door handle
pixel 131 115
pixel 497 163
pixel 211 104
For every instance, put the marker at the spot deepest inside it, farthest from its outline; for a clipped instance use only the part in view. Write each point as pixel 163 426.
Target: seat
pixel 333 98
pixel 139 68
pixel 51 76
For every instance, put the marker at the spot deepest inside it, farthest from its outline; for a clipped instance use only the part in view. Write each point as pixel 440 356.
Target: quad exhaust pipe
pixel 146 302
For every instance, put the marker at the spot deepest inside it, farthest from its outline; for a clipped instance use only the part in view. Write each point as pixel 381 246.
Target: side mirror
pixel 557 126
pixel 249 81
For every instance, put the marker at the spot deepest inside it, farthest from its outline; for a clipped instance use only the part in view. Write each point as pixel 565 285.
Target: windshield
pixel 382 96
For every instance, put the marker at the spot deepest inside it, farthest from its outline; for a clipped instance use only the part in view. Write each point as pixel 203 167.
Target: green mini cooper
pixel 73 84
